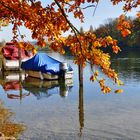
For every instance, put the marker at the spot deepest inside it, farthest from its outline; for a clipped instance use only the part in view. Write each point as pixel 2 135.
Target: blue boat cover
pixel 44 63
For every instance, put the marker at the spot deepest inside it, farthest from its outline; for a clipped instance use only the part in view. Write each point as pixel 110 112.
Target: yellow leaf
pixel 96 73
pixel 34 51
pixel 118 91
pixel 92 78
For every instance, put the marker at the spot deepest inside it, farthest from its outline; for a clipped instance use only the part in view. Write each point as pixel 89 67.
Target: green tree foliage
pixel 132 42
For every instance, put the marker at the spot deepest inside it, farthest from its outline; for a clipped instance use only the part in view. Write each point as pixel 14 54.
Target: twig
pixel 95 8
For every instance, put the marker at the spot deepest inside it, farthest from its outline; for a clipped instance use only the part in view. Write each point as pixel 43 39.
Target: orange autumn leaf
pixel 106 89
pixel 20 44
pixel 125 32
pixel 119 91
pixel 124 26
pixel 34 51
pixel 116 49
pixel 138 14
pixel 92 78
pixel 96 73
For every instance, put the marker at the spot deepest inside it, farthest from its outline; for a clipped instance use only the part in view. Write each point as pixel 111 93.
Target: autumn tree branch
pixel 74 29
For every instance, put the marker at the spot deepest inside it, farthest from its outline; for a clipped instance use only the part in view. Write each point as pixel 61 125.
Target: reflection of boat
pixel 14 86
pixel 47 88
pixel 10 57
pixel 14 96
pixel 45 67
pixel 11 76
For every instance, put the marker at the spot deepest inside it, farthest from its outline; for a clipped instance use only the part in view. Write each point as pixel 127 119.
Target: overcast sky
pixel 104 11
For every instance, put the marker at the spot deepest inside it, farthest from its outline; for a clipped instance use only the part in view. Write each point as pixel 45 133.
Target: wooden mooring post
pixel 19 54
pixel 20 74
pixel 80 69
pixel 81 99
pixel 81 109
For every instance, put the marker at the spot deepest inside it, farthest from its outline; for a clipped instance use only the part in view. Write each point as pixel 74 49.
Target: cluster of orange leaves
pixel 3 22
pixel 128 4
pixel 124 26
pixel 27 46
pixel 52 21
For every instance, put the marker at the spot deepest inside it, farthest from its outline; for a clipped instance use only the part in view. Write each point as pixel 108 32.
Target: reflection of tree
pixel 81 109
pixel 127 68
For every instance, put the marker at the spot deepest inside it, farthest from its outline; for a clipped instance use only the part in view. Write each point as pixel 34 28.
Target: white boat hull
pixel 10 65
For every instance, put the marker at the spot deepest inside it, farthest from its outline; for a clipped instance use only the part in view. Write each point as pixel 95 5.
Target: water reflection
pixel 87 113
pixel 43 89
pixel 81 109
pixel 14 86
pixel 127 68
pixel 17 87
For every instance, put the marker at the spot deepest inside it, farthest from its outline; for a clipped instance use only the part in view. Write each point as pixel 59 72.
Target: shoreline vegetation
pixel 8 130
pixel 129 43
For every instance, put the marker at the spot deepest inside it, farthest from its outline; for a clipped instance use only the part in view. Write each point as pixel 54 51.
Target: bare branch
pixel 95 8
pixel 88 6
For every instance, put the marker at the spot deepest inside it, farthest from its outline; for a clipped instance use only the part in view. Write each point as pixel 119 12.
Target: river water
pixel 62 111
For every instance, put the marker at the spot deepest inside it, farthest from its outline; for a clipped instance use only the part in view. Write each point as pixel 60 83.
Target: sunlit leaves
pixel 138 15
pixel 116 49
pixel 26 46
pixel 119 91
pixel 3 22
pixel 124 26
pixel 94 76
pixel 105 89
pixel 128 4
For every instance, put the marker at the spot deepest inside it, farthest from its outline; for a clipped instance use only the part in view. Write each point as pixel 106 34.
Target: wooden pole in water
pixel 2 44
pixel 20 74
pixel 19 54
pixel 80 69
pixel 81 109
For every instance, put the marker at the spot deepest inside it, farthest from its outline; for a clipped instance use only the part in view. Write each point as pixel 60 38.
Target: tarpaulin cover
pixel 10 52
pixel 42 62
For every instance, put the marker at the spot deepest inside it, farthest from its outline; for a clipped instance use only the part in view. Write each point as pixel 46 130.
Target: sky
pixel 104 11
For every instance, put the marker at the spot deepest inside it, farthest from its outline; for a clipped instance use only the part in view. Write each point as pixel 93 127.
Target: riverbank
pixel 8 130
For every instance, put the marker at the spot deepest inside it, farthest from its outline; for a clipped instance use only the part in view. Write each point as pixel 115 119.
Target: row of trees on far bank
pixel 131 42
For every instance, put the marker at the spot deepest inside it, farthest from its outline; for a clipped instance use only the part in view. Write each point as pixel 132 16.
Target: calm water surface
pixel 62 111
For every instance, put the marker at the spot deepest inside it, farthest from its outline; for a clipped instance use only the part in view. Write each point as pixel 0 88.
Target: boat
pixel 10 57
pixel 44 67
